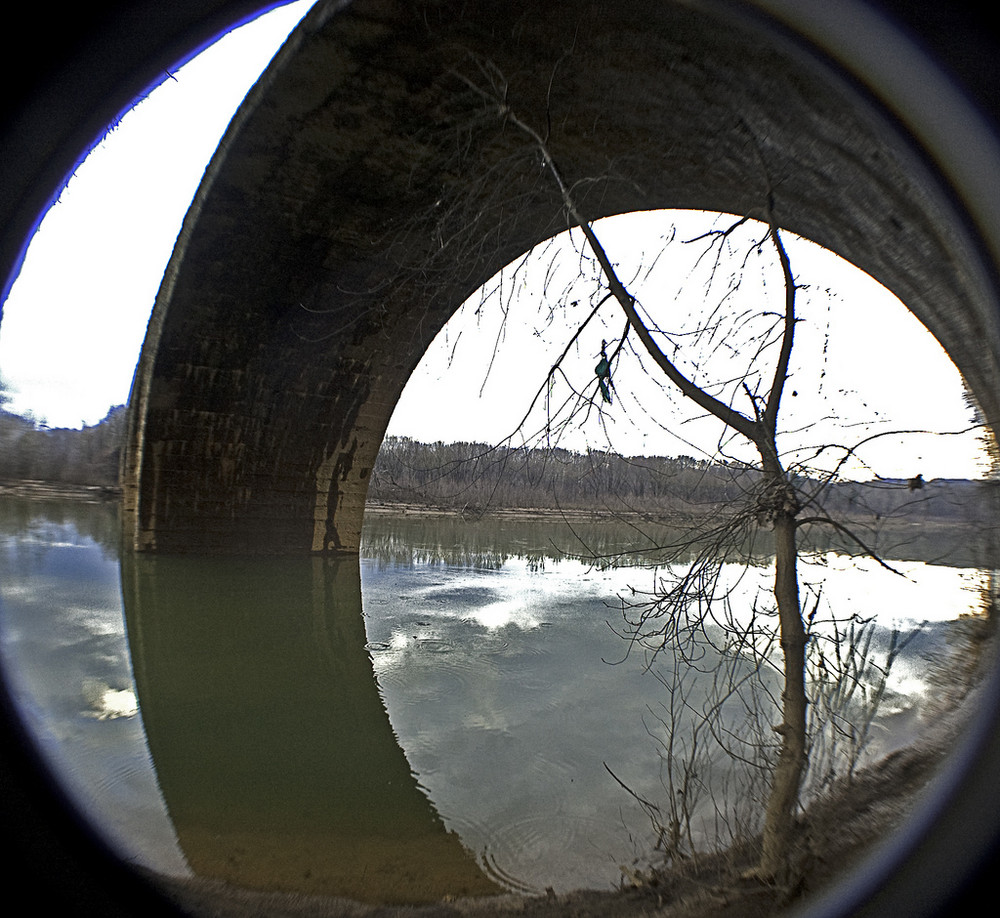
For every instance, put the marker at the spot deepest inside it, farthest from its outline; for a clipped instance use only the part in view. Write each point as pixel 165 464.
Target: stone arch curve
pixel 360 195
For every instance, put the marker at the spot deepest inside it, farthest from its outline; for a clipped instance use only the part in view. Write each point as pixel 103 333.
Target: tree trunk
pixel 787 776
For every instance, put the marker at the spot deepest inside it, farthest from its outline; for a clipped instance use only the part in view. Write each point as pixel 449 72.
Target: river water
pixel 446 717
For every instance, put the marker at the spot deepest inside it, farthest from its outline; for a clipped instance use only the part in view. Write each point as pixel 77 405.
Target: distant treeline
pixel 473 477
pixel 86 457
pixel 476 477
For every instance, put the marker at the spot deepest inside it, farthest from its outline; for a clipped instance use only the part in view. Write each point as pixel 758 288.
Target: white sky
pixel 862 364
pixel 75 319
pixel 76 316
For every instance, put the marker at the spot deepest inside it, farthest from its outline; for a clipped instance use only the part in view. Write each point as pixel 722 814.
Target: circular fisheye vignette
pixel 974 796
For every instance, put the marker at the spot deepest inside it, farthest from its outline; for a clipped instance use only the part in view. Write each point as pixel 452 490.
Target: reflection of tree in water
pixel 490 541
pixel 486 543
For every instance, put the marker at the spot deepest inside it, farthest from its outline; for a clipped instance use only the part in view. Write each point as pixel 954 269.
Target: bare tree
pixel 686 606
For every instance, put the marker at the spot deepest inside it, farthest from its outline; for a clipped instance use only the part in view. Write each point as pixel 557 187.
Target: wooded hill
pixel 89 456
pixel 475 477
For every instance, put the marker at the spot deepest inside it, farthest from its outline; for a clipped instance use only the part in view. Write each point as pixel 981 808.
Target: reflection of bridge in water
pixel 274 753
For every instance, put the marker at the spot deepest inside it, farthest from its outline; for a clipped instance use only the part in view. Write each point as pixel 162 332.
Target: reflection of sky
pixel 498 684
pixel 495 684
pixel 66 662
pixel 918 593
pixel 514 595
pixel 500 689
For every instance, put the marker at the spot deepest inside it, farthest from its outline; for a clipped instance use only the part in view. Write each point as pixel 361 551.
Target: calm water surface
pixel 438 719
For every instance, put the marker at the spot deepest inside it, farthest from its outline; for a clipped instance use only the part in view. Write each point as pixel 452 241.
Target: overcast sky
pixel 862 364
pixel 76 316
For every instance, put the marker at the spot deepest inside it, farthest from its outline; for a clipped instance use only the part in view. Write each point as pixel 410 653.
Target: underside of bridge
pixel 367 187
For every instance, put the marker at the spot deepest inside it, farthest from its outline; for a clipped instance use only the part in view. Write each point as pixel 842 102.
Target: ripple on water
pixel 428 669
pixel 534 852
pixel 431 645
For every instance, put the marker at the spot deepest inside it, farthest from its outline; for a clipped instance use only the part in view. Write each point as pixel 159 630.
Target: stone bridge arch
pixel 360 196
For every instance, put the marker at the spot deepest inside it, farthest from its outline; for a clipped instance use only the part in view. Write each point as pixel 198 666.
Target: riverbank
pixel 942 540
pixel 516 513
pixel 38 489
pixel 57 490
